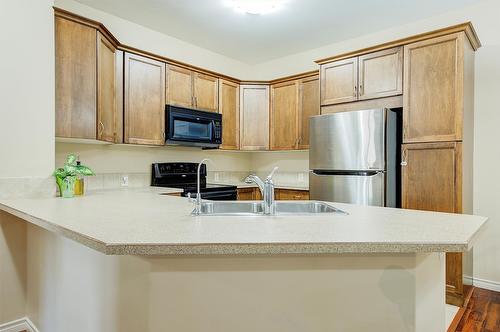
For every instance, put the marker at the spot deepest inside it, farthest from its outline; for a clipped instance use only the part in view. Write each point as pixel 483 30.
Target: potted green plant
pixel 66 176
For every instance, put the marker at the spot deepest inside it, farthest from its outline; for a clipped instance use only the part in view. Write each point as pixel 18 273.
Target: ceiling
pixel 298 26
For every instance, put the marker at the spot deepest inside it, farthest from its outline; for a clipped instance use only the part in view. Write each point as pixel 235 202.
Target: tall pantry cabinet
pixel 437 148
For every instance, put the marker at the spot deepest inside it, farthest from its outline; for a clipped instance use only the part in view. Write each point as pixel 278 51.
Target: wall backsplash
pixel 111 162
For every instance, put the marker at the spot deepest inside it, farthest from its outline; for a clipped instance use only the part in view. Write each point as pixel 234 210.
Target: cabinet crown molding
pixel 466 27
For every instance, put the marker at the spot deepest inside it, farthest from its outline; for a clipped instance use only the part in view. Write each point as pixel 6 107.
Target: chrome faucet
pixel 267 190
pixel 197 207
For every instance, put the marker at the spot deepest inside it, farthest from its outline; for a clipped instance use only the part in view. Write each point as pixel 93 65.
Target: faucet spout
pixel 197 209
pixel 255 179
pixel 267 189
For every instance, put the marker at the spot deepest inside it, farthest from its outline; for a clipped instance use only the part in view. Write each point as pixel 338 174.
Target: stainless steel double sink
pixel 256 208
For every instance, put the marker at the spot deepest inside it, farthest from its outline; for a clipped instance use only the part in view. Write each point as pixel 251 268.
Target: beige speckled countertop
pixel 143 222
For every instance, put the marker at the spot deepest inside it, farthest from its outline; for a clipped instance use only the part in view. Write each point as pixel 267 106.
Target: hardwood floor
pixel 482 313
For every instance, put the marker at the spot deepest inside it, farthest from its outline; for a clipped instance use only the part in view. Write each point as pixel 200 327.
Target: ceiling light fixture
pixel 256 7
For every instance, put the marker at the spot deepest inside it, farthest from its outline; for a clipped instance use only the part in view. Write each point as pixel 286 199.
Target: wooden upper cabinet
pixel 254 117
pixel 76 72
pixel 432 176
pixel 144 100
pixel 205 92
pixel 284 115
pixel 308 106
pixel 339 81
pixel 381 74
pixel 433 89
pixel 106 90
pixel 190 89
pixel 229 107
pixel 179 86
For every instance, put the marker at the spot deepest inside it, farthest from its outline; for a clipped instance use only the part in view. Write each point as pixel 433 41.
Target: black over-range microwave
pixel 185 126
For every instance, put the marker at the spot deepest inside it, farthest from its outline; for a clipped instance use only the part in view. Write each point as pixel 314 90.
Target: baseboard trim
pixel 483 283
pixel 486 284
pixel 18 325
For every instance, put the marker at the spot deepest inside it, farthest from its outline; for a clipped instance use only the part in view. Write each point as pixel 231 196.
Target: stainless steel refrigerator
pixel 352 157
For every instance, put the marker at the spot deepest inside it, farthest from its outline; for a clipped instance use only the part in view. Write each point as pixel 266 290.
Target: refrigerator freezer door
pixel 348 141
pixel 355 189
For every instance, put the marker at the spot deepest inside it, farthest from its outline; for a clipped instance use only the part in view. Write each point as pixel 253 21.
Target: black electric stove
pixel 183 176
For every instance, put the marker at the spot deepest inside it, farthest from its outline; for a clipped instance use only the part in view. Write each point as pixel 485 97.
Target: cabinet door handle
pixel 101 128
pixel 404 159
pixel 355 91
pixel 361 89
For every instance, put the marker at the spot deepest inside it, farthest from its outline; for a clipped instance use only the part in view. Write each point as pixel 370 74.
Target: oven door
pixel 191 127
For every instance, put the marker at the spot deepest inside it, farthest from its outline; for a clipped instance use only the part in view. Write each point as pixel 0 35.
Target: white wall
pixel 144 38
pixel 26 88
pixel 291 161
pixel 486 161
pixel 26 128
pixel 483 15
pixel 138 159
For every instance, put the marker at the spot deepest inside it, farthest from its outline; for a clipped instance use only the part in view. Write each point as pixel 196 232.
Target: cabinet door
pixel 284 115
pixel 246 194
pixel 229 107
pixel 433 89
pixel 75 64
pixel 179 87
pixel 206 92
pixel 144 100
pixel 430 174
pixel 254 117
pixel 292 195
pixel 308 106
pixel 381 74
pixel 106 90
pixel 339 81
pixel 432 180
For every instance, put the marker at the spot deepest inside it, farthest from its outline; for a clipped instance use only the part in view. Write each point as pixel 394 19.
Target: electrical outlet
pixel 216 176
pixel 124 180
pixel 301 177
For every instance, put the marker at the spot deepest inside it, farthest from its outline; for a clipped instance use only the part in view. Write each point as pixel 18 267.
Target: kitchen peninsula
pixel 146 264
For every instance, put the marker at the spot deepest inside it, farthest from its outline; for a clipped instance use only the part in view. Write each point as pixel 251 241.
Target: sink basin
pixel 229 208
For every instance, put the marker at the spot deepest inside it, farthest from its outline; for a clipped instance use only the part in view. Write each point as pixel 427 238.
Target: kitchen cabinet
pixel 292 195
pixel 144 100
pixel 246 194
pixel 229 107
pixel 292 104
pixel 434 92
pixel 339 81
pixel 179 86
pixel 187 88
pixel 106 90
pixel 381 74
pixel 433 180
pixel 254 117
pixel 87 102
pixel 431 176
pixel 75 78
pixel 374 75
pixel 284 115
pixel 206 92
pixel 253 194
pixel 308 106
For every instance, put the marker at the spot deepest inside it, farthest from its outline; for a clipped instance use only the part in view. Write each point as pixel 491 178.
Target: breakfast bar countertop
pixel 143 222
